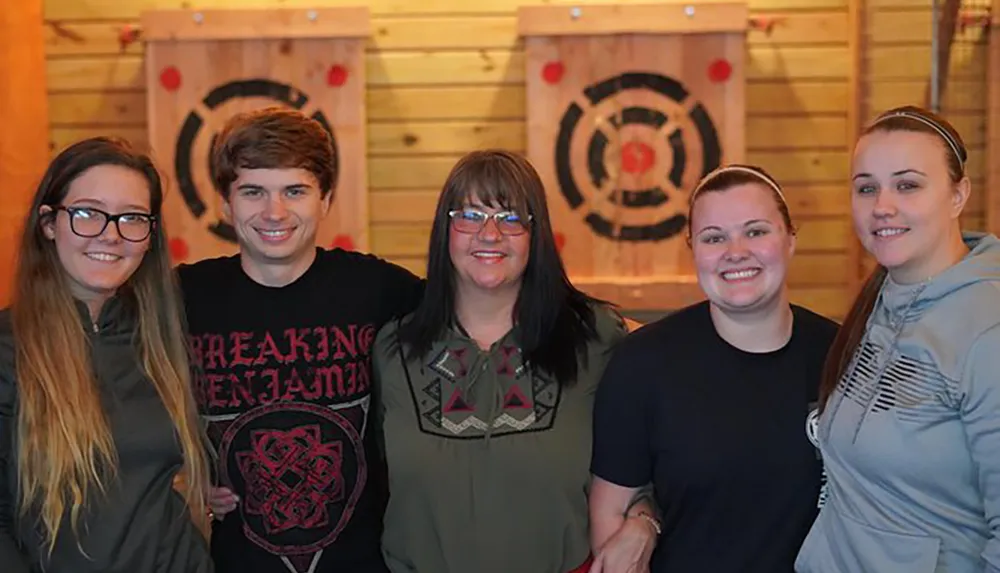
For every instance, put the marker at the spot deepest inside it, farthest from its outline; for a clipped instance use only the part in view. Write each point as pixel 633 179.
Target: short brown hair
pixel 273 138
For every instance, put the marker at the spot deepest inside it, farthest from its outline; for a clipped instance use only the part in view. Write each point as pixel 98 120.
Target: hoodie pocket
pixel 838 543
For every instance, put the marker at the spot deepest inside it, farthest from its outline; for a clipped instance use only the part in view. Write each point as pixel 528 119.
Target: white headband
pixel 931 124
pixel 729 168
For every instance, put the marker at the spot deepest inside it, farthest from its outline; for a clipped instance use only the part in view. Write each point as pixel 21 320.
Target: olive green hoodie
pixel 488 459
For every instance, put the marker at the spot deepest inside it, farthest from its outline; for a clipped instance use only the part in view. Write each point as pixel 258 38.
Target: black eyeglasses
pixel 472 221
pixel 89 222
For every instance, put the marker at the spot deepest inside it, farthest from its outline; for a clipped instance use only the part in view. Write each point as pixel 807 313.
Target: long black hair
pixel 554 319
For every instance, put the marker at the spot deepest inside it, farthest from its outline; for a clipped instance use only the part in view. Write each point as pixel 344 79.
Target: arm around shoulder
pixel 980 412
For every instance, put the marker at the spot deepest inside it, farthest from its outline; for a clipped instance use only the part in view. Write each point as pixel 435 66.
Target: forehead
pixel 275 178
pixel 735 206
pixel 111 186
pixel 890 151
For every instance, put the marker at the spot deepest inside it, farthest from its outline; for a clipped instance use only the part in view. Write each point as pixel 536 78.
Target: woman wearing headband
pixel 711 403
pixel 910 398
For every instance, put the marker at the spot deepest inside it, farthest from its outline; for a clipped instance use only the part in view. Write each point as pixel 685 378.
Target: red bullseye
pixel 178 249
pixel 336 76
pixel 344 242
pixel 719 71
pixel 560 241
pixel 553 72
pixel 637 157
pixel 170 78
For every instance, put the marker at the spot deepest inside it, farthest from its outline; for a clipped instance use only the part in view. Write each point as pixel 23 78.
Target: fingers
pixel 222 500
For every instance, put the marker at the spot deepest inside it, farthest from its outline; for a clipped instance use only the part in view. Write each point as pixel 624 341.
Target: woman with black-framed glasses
pixel 487 388
pixel 97 416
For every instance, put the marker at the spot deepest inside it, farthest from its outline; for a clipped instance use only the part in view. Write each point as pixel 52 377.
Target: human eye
pixel 134 218
pixel 471 215
pixel 865 188
pixel 906 185
pixel 85 213
pixel 510 217
pixel 754 232
pixel 712 238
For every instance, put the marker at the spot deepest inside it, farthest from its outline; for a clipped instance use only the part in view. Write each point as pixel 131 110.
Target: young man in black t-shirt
pixel 281 335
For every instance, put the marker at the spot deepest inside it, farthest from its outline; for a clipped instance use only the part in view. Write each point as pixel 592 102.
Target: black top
pixel 721 434
pixel 286 388
pixel 143 523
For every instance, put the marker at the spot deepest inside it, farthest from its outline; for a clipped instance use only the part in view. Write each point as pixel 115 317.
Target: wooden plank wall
pixel 445 77
pixel 899 66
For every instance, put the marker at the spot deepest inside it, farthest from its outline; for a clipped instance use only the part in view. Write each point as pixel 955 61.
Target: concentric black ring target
pixel 183 160
pixel 599 141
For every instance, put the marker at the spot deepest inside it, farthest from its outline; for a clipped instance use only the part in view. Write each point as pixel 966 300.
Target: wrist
pixel 651 522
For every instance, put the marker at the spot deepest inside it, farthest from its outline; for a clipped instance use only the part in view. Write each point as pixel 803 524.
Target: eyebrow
pixel 96 203
pixel 746 224
pixel 894 173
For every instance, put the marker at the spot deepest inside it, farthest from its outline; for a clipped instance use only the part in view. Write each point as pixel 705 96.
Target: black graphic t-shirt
pixel 722 435
pixel 284 384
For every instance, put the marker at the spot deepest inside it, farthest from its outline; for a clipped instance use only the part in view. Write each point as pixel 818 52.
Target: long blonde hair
pixel 65 448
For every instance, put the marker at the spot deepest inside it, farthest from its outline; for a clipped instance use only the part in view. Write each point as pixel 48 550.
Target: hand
pixel 222 500
pixel 628 550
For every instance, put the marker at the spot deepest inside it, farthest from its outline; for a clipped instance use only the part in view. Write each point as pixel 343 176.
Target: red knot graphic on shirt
pixel 300 470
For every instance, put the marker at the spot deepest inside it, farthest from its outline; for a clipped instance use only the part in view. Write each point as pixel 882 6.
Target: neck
pixel 277 274
pixel 93 300
pixel 94 305
pixel 486 315
pixel 952 251
pixel 762 330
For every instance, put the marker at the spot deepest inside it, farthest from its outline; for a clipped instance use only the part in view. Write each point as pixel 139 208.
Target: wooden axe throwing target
pixel 628 108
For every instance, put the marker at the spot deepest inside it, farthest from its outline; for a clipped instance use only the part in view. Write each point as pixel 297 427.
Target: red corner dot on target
pixel 553 72
pixel 336 76
pixel 170 78
pixel 344 242
pixel 178 249
pixel 719 70
pixel 560 242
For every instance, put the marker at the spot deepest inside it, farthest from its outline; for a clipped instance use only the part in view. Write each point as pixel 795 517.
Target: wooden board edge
pixel 666 18
pixel 247 24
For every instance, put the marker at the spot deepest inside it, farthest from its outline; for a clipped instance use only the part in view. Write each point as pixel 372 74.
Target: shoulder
pixel 609 323
pixel 385 340
pixel 678 325
pixel 206 271
pixel 368 268
pixel 814 326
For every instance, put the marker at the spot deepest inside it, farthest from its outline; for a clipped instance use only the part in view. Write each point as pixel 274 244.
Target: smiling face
pixel 905 204
pixel 487 258
pixel 741 245
pixel 276 214
pixel 98 266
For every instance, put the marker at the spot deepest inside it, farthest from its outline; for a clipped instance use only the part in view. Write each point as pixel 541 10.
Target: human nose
pixel 885 205
pixel 490 231
pixel 110 234
pixel 275 209
pixel 736 249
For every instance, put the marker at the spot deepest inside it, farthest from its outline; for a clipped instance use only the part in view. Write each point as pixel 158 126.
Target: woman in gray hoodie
pixel 910 399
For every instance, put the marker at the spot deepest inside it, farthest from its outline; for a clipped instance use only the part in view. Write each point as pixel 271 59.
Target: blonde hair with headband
pixel 729 176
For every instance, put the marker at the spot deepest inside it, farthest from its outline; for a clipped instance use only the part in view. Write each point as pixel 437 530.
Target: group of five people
pixel 293 408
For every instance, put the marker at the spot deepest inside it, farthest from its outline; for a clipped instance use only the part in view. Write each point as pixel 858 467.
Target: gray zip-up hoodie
pixel 911 436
